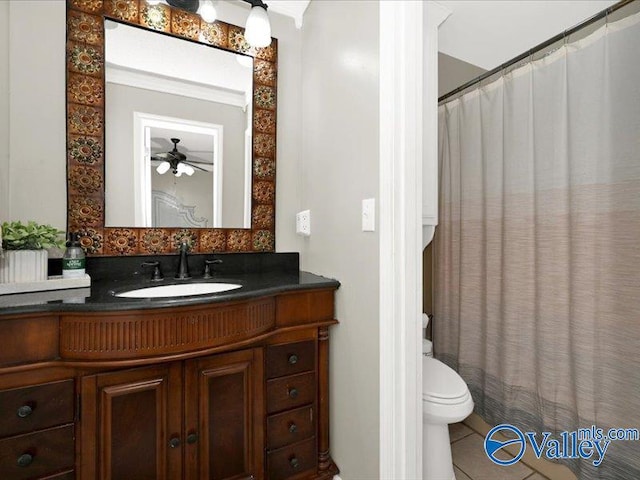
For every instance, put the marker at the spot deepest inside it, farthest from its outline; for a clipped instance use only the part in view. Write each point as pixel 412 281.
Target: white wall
pixel 340 88
pixel 36 66
pixel 4 111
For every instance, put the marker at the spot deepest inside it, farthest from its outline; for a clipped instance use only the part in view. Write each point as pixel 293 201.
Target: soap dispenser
pixel 73 261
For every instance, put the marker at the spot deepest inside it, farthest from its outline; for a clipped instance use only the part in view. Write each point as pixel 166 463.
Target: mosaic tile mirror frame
pixel 85 85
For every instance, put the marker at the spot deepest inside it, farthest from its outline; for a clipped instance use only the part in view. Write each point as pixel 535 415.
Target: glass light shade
pixel 188 169
pixel 163 168
pixel 154 2
pixel 207 11
pixel 178 174
pixel 257 31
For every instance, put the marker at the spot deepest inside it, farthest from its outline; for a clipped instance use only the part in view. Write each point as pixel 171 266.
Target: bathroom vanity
pixel 221 386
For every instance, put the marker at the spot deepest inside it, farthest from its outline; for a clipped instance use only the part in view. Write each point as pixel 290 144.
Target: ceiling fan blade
pixel 162 143
pixel 195 166
pixel 166 156
pixel 201 163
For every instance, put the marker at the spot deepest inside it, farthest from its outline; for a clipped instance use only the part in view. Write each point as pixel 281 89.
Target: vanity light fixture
pixel 257 31
pixel 207 11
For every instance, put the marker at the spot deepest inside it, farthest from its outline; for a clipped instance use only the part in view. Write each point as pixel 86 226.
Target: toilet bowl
pixel 445 399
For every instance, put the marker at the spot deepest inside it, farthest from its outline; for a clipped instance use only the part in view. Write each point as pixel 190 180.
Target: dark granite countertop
pixel 258 277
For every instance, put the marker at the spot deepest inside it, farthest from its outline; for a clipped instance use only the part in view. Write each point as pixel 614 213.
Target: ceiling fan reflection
pixel 177 162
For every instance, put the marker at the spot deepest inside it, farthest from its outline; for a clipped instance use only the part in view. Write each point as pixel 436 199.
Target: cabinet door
pixel 225 416
pixel 131 423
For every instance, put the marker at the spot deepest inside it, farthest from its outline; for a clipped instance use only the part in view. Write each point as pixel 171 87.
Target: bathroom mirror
pixel 149 162
pixel 177 132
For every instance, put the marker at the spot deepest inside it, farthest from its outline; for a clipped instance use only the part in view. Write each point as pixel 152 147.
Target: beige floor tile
pixel 460 475
pixel 468 455
pixel 458 431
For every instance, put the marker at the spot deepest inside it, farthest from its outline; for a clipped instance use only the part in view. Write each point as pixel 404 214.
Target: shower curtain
pixel 537 255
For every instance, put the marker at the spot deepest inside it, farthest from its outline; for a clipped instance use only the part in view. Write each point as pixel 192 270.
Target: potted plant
pixel 23 256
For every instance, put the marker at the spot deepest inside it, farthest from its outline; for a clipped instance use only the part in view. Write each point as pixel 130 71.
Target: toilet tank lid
pixel 441 381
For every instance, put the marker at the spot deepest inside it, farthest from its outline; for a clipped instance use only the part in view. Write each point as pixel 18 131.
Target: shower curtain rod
pixel 538 48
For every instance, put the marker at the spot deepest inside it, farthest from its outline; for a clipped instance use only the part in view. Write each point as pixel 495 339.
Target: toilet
pixel 445 399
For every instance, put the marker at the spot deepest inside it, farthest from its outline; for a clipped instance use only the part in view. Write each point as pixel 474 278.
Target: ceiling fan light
pixel 163 168
pixel 257 31
pixel 208 11
pixel 189 170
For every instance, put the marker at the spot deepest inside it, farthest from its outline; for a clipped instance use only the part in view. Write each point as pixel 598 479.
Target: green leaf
pixel 32 236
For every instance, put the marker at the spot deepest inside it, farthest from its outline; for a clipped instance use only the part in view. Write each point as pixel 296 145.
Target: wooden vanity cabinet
pixel 253 405
pixel 130 422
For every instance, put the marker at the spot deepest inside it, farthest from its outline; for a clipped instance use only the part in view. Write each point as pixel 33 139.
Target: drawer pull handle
pixel 174 442
pixel 293 428
pixel 25 460
pixel 24 411
pixel 293 392
pixel 192 438
pixel 293 359
pixel 294 462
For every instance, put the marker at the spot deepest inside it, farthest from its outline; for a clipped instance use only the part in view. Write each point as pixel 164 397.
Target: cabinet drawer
pixel 290 392
pixel 27 409
pixel 289 427
pixel 290 358
pixel 289 461
pixel 37 454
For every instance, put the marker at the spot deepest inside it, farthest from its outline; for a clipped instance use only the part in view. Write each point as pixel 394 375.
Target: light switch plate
pixel 369 215
pixel 303 223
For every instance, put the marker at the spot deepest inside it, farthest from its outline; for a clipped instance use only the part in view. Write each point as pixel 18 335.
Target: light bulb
pixel 188 169
pixel 163 168
pixel 207 11
pixel 257 31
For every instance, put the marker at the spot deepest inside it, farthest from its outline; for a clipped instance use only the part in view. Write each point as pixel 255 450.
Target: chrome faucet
pixel 183 265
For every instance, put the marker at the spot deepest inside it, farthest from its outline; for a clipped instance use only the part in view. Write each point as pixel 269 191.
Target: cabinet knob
pixel 192 438
pixel 25 460
pixel 293 428
pixel 293 392
pixel 294 462
pixel 24 411
pixel 293 359
pixel 174 442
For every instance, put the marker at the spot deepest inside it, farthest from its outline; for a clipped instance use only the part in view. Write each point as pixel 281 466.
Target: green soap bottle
pixel 73 261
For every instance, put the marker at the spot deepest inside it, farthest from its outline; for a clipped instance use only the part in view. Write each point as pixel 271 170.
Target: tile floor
pixel 471 463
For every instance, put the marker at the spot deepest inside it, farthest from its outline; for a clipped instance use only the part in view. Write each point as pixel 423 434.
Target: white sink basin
pixel 182 290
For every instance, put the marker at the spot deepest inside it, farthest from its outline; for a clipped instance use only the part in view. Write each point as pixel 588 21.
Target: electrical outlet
pixel 303 223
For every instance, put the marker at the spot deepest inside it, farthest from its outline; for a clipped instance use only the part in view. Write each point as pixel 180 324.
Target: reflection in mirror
pixel 178 132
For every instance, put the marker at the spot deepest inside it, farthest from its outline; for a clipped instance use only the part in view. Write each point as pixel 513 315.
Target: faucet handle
pixel 157 273
pixel 207 267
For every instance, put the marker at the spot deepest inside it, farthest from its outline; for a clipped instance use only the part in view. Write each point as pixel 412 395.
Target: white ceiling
pixel 490 32
pixel 290 8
